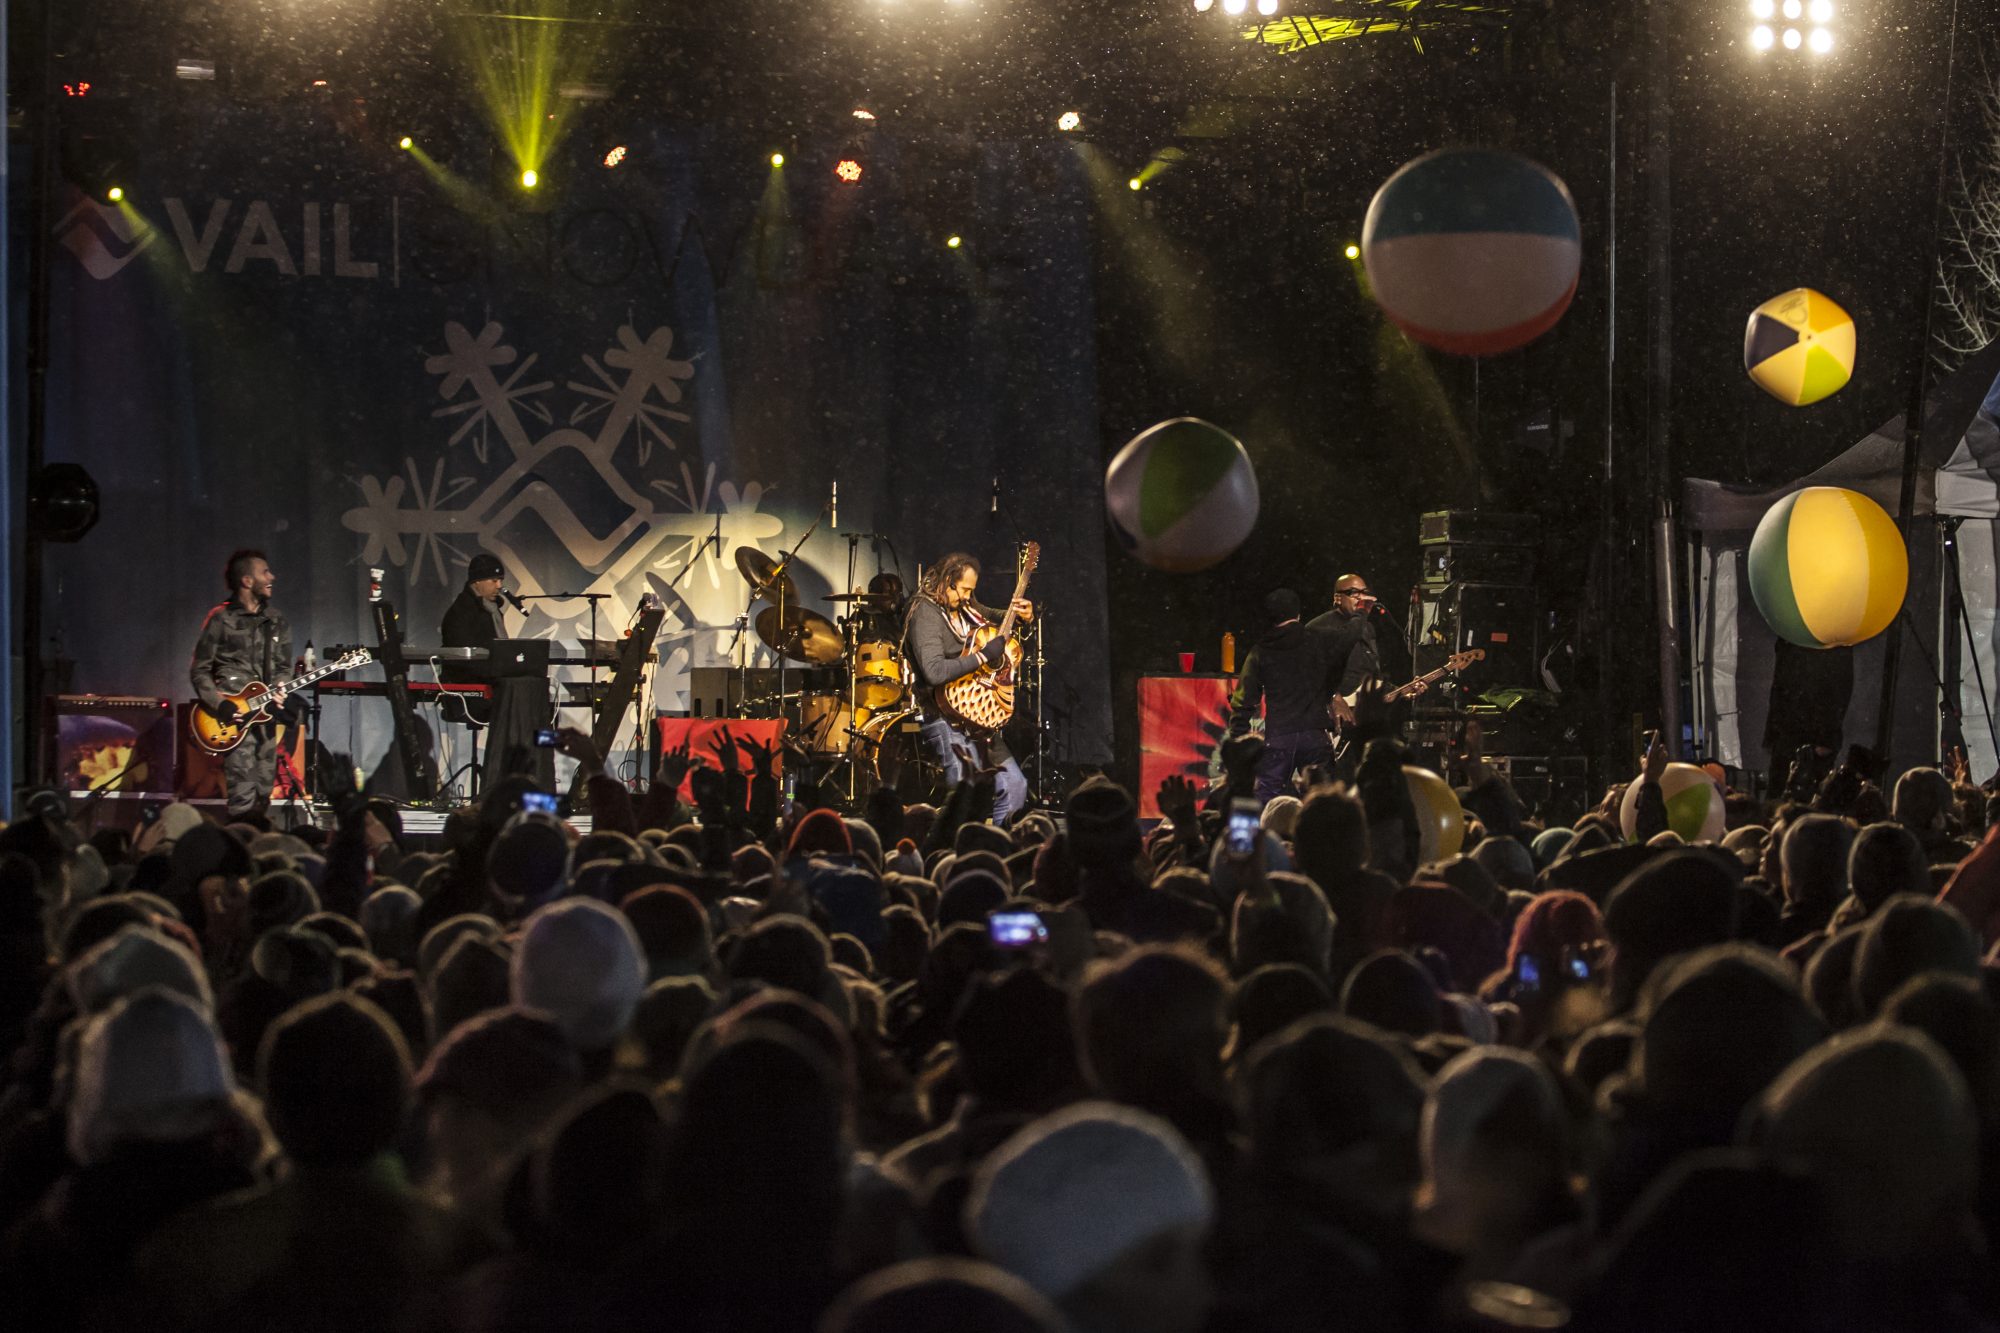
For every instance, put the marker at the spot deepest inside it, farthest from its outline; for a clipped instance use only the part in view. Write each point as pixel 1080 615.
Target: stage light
pixel 1821 41
pixel 953 241
pixel 529 180
pixel 863 113
pixel 1762 10
pixel 1135 184
pixel 1792 39
pixel 1820 11
pixel 1353 251
pixel 1761 37
pixel 406 143
pixel 114 194
pixel 848 170
pixel 1203 6
pixel 1069 122
pixel 615 156
pixel 777 159
pixel 1794 9
pixel 194 67
pixel 1267 7
pixel 1234 6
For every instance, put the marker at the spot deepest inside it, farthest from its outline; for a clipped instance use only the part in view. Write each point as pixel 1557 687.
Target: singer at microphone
pixel 1349 630
pixel 514 601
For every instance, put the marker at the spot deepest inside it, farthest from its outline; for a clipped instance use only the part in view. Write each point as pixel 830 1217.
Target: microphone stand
pixel 591 653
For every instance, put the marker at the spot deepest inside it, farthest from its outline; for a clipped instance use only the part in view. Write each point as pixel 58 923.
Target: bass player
pixel 943 616
pixel 244 639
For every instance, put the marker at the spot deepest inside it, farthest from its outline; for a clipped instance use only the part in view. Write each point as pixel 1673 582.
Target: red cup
pixel 1187 664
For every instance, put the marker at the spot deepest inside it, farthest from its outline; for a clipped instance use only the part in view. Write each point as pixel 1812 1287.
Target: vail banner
pixel 289 338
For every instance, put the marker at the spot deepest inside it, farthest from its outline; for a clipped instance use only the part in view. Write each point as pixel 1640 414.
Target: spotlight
pixel 1762 9
pixel 615 156
pixel 406 143
pixel 1069 122
pixel 194 67
pixel 1794 9
pixel 1821 41
pixel 1267 7
pixel 529 180
pixel 777 159
pixel 953 241
pixel 863 113
pixel 1203 6
pixel 1761 37
pixel 1353 251
pixel 1792 39
pixel 115 193
pixel 1135 184
pixel 848 170
pixel 1820 11
pixel 1234 6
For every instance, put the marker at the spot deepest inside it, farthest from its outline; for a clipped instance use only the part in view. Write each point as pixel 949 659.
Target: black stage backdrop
pixel 300 339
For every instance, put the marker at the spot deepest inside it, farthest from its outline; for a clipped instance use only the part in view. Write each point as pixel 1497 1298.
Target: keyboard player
pixel 519 706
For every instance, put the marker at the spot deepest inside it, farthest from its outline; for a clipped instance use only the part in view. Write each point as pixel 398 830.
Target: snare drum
pixel 879 676
pixel 824 724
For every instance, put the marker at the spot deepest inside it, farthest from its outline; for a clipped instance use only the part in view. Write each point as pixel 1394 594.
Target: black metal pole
pixel 1913 410
pixel 41 224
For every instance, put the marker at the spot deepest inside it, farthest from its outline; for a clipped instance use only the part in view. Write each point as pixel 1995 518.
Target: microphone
pixel 996 496
pixel 834 521
pixel 514 601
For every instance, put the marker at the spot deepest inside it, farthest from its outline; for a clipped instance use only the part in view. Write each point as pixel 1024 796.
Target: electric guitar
pixel 254 703
pixel 1455 663
pixel 985 698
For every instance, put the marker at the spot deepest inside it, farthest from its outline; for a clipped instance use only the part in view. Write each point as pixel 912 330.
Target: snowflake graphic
pixel 431 526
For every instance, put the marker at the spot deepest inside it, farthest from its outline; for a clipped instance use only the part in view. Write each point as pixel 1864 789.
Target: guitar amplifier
pixel 112 742
pixel 1503 620
pixel 1479 527
pixel 1476 562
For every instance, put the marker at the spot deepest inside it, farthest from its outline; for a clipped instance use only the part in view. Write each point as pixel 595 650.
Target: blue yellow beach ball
pixel 1799 346
pixel 1181 495
pixel 1440 818
pixel 1828 567
pixel 1473 251
pixel 1694 804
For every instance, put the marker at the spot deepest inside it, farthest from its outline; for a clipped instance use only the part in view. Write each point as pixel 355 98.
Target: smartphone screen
pixel 1240 834
pixel 539 802
pixel 546 738
pixel 1016 930
pixel 1527 972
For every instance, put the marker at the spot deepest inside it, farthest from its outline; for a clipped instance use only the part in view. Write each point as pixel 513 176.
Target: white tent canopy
pixel 1956 515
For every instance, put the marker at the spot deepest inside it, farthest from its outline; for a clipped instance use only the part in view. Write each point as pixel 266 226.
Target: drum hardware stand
pixel 1041 725
pixel 778 577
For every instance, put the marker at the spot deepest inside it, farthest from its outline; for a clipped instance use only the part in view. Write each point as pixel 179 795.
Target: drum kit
pixel 854 717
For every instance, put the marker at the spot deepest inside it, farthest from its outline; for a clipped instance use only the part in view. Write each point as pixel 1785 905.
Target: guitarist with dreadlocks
pixel 944 620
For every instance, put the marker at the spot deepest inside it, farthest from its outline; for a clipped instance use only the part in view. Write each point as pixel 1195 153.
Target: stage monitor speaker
pixel 1503 620
pixel 112 742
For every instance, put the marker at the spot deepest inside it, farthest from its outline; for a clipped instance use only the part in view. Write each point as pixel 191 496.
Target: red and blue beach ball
pixel 1473 251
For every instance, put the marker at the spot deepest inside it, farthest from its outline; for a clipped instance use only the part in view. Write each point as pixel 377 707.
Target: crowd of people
pixel 744 1064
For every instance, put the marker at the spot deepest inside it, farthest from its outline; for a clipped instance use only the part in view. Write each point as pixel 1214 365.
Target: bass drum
pixel 901 760
pixel 880 682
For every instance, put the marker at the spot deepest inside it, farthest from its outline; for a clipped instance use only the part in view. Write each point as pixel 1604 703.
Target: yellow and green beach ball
pixel 1799 347
pixel 1828 568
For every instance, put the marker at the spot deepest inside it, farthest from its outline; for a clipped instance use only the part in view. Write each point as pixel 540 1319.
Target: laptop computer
pixel 508 658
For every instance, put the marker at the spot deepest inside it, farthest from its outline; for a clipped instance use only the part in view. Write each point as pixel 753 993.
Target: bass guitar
pixel 1455 663
pixel 984 700
pixel 254 702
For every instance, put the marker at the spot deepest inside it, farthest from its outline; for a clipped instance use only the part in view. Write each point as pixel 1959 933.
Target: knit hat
pixel 851 897
pixel 336 1079
pixel 982 838
pixel 1674 903
pixel 1077 1190
pixel 148 1068
pixel 529 860
pixel 475 976
pixel 438 940
pixel 1103 824
pixel 1906 936
pixel 1548 845
pixel 1487 1091
pixel 280 898
pixel 1394 992
pixel 297 961
pixel 1280 605
pixel 131 960
pixel 1718 1025
pixel 822 833
pixel 1884 1121
pixel 969 897
pixel 1281 813
pixel 867 843
pixel 502 1063
pixel 389 919
pixel 1511 864
pixel 785 951
pixel 1273 997
pixel 580 963
pixel 945 1292
pixel 484 566
pixel 175 821
pixel 205 850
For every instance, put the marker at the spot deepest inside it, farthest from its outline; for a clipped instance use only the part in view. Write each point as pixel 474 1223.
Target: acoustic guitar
pixel 254 703
pixel 984 700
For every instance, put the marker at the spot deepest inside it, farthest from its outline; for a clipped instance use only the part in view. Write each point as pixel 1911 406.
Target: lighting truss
pixel 1315 23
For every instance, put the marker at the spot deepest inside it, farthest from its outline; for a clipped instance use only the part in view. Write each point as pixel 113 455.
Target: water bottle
pixel 1228 653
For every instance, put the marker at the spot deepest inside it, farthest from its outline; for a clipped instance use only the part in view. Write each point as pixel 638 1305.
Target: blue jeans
pixel 1010 784
pixel 1286 753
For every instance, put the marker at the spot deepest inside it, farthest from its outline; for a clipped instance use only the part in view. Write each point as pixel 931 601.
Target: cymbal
pixel 761 572
pixel 807 636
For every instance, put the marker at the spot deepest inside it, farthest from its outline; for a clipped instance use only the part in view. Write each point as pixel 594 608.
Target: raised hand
pixel 763 758
pixel 675 763
pixel 1656 759
pixel 725 750
pixel 579 747
pixel 1177 798
pixel 1241 753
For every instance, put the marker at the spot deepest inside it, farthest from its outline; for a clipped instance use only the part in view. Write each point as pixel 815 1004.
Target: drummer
pixel 882 614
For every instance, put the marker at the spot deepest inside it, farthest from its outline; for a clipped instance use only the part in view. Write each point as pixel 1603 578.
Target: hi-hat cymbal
pixel 761 572
pixel 807 636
